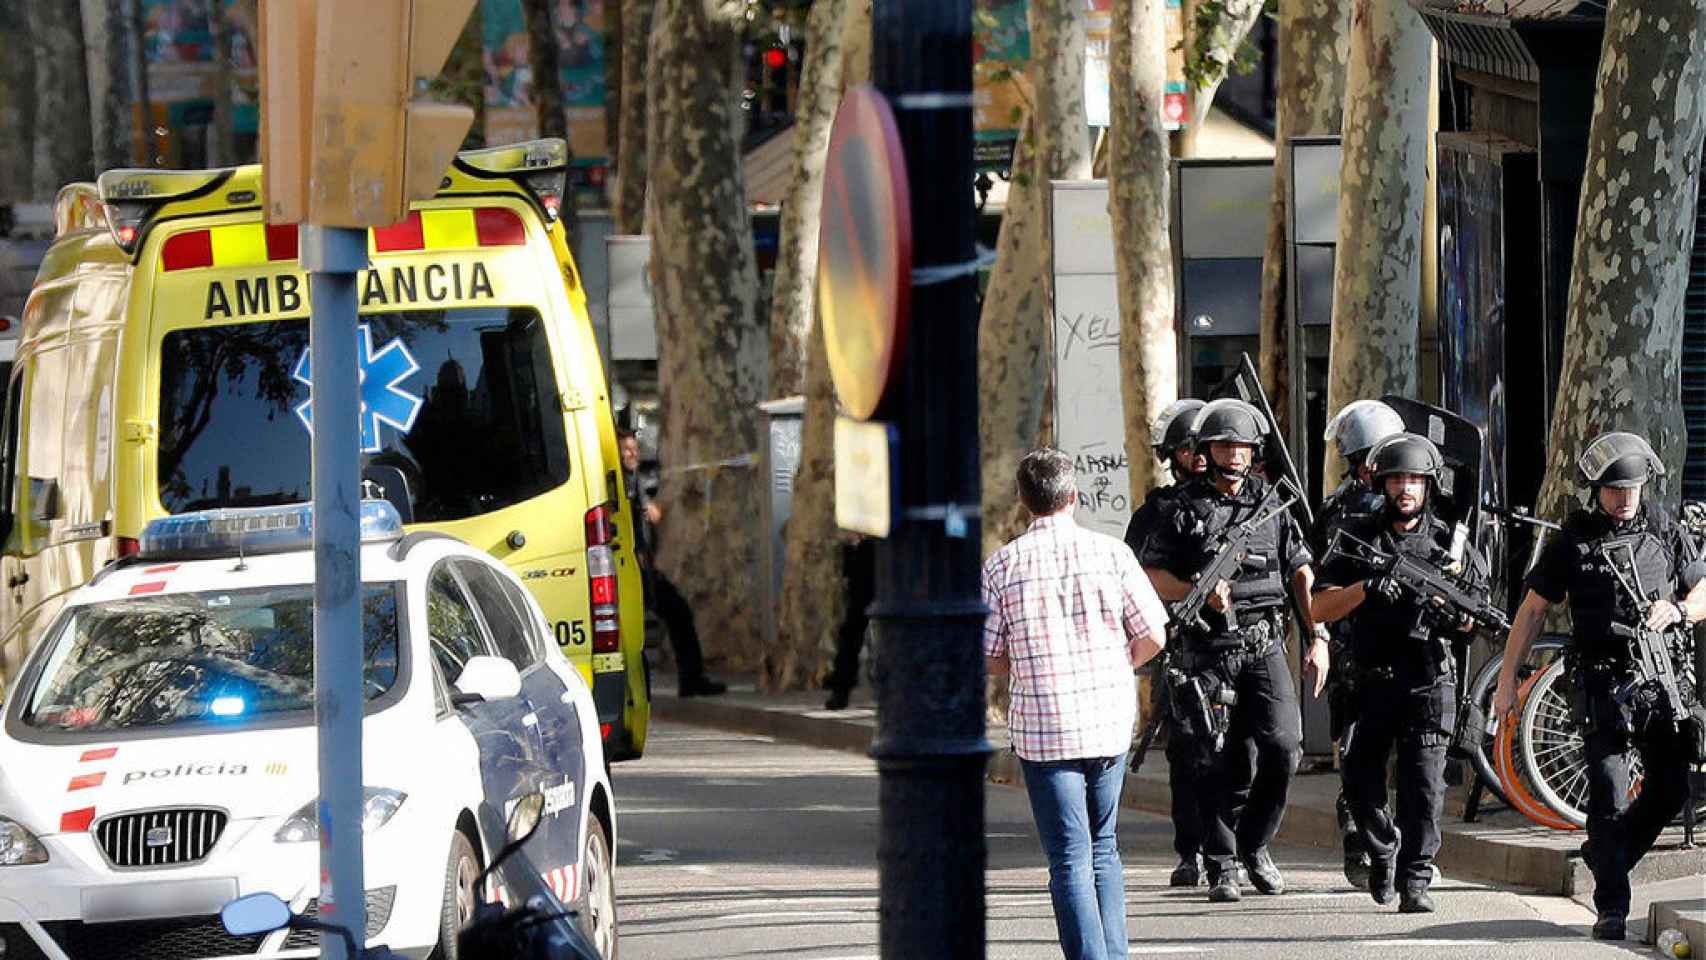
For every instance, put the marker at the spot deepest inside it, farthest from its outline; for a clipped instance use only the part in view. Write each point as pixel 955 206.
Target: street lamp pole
pixel 928 662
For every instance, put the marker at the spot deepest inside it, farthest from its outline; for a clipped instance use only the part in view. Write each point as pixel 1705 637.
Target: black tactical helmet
pixel 1406 453
pixel 1172 429
pixel 1229 421
pixel 1619 460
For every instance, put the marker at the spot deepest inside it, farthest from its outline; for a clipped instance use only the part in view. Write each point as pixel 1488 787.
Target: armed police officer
pixel 1354 430
pixel 1632 580
pixel 1404 676
pixel 1170 439
pixel 1173 444
pixel 1230 680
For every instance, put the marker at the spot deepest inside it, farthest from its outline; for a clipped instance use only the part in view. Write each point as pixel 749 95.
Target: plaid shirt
pixel 1074 614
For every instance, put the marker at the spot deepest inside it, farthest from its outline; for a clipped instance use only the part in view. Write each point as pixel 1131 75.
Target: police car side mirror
pixel 487 678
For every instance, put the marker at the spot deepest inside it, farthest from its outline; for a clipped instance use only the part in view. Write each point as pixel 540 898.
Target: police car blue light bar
pixel 250 531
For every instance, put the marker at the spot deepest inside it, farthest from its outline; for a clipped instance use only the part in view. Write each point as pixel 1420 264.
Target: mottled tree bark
pixel 1138 206
pixel 544 61
pixel 814 592
pixel 17 106
pixel 612 86
pixel 1213 52
pixel 107 39
pixel 711 345
pixel 1623 333
pixel 791 305
pixel 61 147
pixel 1314 43
pixel 1377 269
pixel 222 133
pixel 630 204
pixel 1013 357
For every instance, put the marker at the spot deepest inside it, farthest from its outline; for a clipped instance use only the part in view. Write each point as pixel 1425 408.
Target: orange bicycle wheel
pixel 1516 789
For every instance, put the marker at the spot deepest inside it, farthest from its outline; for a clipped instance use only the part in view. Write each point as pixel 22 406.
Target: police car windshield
pixel 217 657
pixel 460 413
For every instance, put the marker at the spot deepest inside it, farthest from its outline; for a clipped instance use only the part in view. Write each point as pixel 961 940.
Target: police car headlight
pixel 19 846
pixel 378 806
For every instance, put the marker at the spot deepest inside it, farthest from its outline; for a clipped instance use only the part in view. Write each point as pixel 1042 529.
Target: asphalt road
pixel 738 846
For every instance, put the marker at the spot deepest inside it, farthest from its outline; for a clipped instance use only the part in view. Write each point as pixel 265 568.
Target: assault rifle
pixel 1651 651
pixel 1428 584
pixel 1231 549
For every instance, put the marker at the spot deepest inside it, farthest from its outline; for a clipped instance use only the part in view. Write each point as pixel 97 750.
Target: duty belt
pixel 1261 636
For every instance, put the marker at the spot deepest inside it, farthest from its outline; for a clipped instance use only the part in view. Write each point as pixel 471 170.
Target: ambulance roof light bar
pixel 133 196
pixel 252 531
pixel 540 166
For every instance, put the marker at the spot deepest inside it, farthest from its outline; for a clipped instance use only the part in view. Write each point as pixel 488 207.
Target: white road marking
pixel 1422 942
pixel 678 811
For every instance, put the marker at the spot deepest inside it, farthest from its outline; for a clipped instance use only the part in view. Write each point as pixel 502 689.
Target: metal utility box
pixel 780 459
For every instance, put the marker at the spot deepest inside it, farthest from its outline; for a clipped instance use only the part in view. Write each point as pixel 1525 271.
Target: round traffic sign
pixel 864 281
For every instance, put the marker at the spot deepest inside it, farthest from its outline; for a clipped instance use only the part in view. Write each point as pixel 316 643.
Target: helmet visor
pixel 1605 452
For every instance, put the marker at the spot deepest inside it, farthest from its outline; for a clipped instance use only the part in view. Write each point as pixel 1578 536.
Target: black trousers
pixel 677 616
pixel 1266 716
pixel 859 566
pixel 1413 718
pixel 1191 805
pixel 1621 831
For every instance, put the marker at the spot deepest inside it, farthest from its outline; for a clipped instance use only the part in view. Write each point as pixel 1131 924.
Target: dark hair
pixel 625 434
pixel 1046 482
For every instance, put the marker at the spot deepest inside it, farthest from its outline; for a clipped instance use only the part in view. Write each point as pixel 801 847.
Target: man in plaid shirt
pixel 1072 617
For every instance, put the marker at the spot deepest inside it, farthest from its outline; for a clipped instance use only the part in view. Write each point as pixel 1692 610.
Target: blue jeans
pixel 1076 805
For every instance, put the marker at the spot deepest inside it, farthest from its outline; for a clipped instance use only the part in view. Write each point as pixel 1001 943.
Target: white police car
pixel 158 757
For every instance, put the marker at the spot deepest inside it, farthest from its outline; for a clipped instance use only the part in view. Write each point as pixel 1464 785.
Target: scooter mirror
pixel 254 914
pixel 525 815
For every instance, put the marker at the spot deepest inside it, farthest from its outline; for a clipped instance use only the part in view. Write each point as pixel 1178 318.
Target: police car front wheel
pixel 598 909
pixel 461 872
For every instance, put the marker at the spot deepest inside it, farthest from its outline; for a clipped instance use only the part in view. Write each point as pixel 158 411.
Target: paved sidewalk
pixel 1501 847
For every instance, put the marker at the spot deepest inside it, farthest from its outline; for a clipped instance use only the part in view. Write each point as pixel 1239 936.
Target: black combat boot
pixel 1416 900
pixel 1186 874
pixel 1264 876
pixel 1223 886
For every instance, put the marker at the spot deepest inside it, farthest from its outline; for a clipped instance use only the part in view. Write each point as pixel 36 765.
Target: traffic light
pixel 351 143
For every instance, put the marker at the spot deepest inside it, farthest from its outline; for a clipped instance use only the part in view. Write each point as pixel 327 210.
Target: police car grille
pixel 160 838
pixel 188 939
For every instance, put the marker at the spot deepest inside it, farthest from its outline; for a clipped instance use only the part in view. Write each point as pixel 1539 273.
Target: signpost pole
pixel 334 256
pixel 928 672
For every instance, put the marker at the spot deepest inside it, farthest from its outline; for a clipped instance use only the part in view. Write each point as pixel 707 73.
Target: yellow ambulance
pixel 163 368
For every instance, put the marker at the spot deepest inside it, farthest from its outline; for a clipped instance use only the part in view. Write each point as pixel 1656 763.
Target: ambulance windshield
pixel 221 656
pixel 460 413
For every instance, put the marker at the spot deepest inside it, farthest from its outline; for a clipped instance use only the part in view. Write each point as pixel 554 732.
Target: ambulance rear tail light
pixel 133 197
pixel 539 166
pixel 601 581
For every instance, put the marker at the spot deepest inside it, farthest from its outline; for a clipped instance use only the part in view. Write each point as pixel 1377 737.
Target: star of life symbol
pixel 383 399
